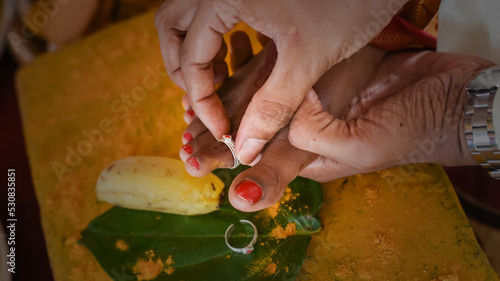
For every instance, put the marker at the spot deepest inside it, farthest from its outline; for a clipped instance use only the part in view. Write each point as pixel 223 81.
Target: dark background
pixel 32 262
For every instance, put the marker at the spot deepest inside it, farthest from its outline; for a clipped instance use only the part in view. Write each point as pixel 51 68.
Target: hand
pixel 310 37
pixel 280 162
pixel 410 111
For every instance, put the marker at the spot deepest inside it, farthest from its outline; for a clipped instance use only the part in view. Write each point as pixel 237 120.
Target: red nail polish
pixel 187 136
pixel 187 148
pixel 249 191
pixel 193 163
pixel 190 113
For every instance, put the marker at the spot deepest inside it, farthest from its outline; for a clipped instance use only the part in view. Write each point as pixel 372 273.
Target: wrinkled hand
pixel 410 111
pixel 311 37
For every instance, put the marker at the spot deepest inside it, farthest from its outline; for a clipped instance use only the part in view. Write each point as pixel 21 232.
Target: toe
pixel 264 184
pixel 205 154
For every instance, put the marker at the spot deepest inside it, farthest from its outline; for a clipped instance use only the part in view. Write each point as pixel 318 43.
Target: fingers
pixel 200 47
pixel 172 20
pixel 317 131
pixel 241 50
pixel 324 169
pixel 201 151
pixel 220 69
pixel 264 184
pixel 316 127
pixel 273 105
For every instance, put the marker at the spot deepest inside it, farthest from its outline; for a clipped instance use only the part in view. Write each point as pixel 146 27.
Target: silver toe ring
pixel 247 249
pixel 228 140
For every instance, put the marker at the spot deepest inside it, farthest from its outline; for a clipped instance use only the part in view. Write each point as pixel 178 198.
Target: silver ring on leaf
pixel 247 249
pixel 228 140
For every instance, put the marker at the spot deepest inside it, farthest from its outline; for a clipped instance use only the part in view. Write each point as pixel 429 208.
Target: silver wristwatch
pixel 479 116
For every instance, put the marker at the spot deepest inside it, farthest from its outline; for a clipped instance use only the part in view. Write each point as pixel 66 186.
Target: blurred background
pixel 29 28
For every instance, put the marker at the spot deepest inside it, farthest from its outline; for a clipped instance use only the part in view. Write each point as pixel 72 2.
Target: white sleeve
pixel 470 27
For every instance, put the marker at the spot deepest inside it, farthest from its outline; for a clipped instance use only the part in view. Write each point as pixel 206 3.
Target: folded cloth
pixel 415 26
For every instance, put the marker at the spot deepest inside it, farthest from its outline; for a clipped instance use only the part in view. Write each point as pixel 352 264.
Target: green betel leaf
pixel 141 245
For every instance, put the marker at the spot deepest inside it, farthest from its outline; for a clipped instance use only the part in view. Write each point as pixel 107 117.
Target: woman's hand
pixel 311 37
pixel 410 111
pixel 279 163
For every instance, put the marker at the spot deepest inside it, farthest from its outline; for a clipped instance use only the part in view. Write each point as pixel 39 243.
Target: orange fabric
pixel 415 26
pixel 420 12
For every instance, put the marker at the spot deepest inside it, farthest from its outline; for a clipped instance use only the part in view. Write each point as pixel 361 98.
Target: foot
pixel 280 162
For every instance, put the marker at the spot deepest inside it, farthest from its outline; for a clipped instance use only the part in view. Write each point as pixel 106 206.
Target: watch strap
pixel 479 129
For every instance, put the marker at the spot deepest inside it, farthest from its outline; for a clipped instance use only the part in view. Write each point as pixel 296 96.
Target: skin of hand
pixel 410 111
pixel 310 36
pixel 280 162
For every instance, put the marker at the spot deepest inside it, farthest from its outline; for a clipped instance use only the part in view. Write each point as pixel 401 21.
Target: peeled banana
pixel 158 184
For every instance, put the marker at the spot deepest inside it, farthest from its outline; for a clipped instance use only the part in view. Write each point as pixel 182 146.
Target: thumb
pixel 274 104
pixel 263 185
pixel 317 131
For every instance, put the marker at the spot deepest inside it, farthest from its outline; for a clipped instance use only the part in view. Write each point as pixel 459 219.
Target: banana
pixel 158 184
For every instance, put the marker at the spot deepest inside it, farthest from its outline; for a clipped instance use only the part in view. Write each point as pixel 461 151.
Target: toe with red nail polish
pixel 249 191
pixel 193 163
pixel 190 113
pixel 187 137
pixel 187 149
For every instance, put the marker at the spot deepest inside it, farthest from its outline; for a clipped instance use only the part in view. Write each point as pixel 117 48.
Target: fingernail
pixel 193 163
pixel 187 148
pixel 257 159
pixel 249 191
pixel 250 149
pixel 190 113
pixel 187 137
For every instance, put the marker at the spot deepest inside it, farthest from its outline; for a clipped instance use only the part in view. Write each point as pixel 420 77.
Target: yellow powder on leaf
pixel 273 210
pixel 121 245
pixel 288 195
pixel 148 269
pixel 260 265
pixel 281 233
pixel 169 270
pixel 168 263
pixel 169 260
pixel 271 268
